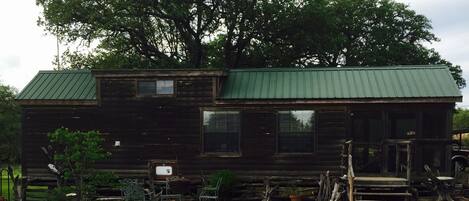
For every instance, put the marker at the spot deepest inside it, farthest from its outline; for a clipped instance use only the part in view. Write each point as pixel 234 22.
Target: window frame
pixel 203 151
pixel 313 133
pixel 155 94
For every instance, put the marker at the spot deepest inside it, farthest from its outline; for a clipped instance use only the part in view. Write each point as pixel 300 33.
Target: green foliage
pixel 133 191
pixel 234 34
pixel 75 155
pixel 461 119
pixel 59 194
pixel 9 126
pixel 228 179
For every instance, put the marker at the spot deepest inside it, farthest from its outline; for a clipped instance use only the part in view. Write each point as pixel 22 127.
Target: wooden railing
pixel 397 146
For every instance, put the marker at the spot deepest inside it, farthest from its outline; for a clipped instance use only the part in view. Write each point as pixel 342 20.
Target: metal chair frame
pixel 211 193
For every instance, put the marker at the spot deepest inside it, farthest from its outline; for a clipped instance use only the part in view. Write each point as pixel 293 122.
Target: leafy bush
pixel 75 154
pixel 228 180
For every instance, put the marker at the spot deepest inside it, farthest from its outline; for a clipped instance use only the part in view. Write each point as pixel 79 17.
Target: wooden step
pixel 383 194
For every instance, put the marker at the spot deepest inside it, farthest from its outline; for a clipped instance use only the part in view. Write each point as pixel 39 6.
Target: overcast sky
pixel 25 48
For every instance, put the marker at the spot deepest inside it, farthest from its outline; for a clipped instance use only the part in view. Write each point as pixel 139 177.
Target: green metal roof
pixel 341 83
pixel 60 85
pixel 279 83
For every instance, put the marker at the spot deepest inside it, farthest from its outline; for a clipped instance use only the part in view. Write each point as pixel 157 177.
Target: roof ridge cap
pixel 343 68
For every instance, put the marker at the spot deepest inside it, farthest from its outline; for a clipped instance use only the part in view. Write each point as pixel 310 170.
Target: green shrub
pixel 59 194
pixel 75 154
pixel 228 179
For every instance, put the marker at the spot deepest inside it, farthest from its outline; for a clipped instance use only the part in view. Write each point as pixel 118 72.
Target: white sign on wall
pixel 164 170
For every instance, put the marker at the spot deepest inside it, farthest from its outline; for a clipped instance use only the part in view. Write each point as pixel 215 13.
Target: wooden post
pixel 350 177
pixel 398 158
pixel 385 157
pixel 409 162
pixel 350 173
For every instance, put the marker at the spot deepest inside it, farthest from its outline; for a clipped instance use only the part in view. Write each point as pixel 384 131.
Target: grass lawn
pixel 36 192
pixel 4 176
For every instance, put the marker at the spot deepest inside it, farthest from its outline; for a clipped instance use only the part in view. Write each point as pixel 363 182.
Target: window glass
pixel 164 87
pixel 296 131
pixel 221 131
pixel 146 88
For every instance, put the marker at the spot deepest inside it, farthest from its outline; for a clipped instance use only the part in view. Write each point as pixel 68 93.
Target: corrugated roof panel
pixel 60 85
pixel 38 88
pixel 341 83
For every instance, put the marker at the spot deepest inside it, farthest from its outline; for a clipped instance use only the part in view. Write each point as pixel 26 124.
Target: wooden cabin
pixel 255 122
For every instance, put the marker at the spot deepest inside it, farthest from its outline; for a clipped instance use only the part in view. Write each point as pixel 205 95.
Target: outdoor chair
pixel 166 192
pixel 439 184
pixel 211 192
pixel 132 190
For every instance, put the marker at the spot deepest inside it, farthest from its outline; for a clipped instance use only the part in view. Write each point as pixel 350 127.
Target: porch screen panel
pixel 403 125
pixel 434 124
pixel 296 130
pixel 221 131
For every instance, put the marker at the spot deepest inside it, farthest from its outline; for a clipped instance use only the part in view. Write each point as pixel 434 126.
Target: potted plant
pixel 294 193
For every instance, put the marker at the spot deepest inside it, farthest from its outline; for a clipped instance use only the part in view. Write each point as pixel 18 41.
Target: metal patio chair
pixel 211 192
pixel 132 190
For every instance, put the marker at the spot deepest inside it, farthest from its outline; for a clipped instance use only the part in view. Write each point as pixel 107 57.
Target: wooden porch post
pixel 409 162
pixel 350 173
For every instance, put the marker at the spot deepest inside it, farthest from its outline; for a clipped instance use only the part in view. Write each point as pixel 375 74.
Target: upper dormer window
pixel 155 88
pixel 164 87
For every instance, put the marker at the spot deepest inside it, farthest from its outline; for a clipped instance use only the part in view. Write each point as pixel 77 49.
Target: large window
pixel 221 130
pixel 155 88
pixel 296 130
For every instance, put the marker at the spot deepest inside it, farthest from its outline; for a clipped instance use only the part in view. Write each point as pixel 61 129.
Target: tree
pixel 75 154
pixel 9 126
pixel 461 119
pixel 248 33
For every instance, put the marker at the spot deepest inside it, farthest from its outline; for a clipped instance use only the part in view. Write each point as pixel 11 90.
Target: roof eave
pixel 337 101
pixel 34 102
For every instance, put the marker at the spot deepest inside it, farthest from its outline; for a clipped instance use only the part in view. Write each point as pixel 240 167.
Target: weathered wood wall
pixel 170 128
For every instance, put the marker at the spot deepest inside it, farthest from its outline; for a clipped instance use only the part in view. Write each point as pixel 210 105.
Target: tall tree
pixel 242 33
pixel 9 126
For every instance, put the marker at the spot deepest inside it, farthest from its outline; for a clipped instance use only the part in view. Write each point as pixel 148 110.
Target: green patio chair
pixel 211 192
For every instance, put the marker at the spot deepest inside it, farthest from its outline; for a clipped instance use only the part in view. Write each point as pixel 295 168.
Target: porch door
pixel 402 126
pixel 367 136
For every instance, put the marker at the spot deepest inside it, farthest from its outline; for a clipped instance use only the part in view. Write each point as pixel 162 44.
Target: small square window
pixel 146 88
pixel 164 87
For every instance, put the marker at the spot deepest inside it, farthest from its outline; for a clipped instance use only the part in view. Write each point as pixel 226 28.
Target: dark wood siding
pixel 170 128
